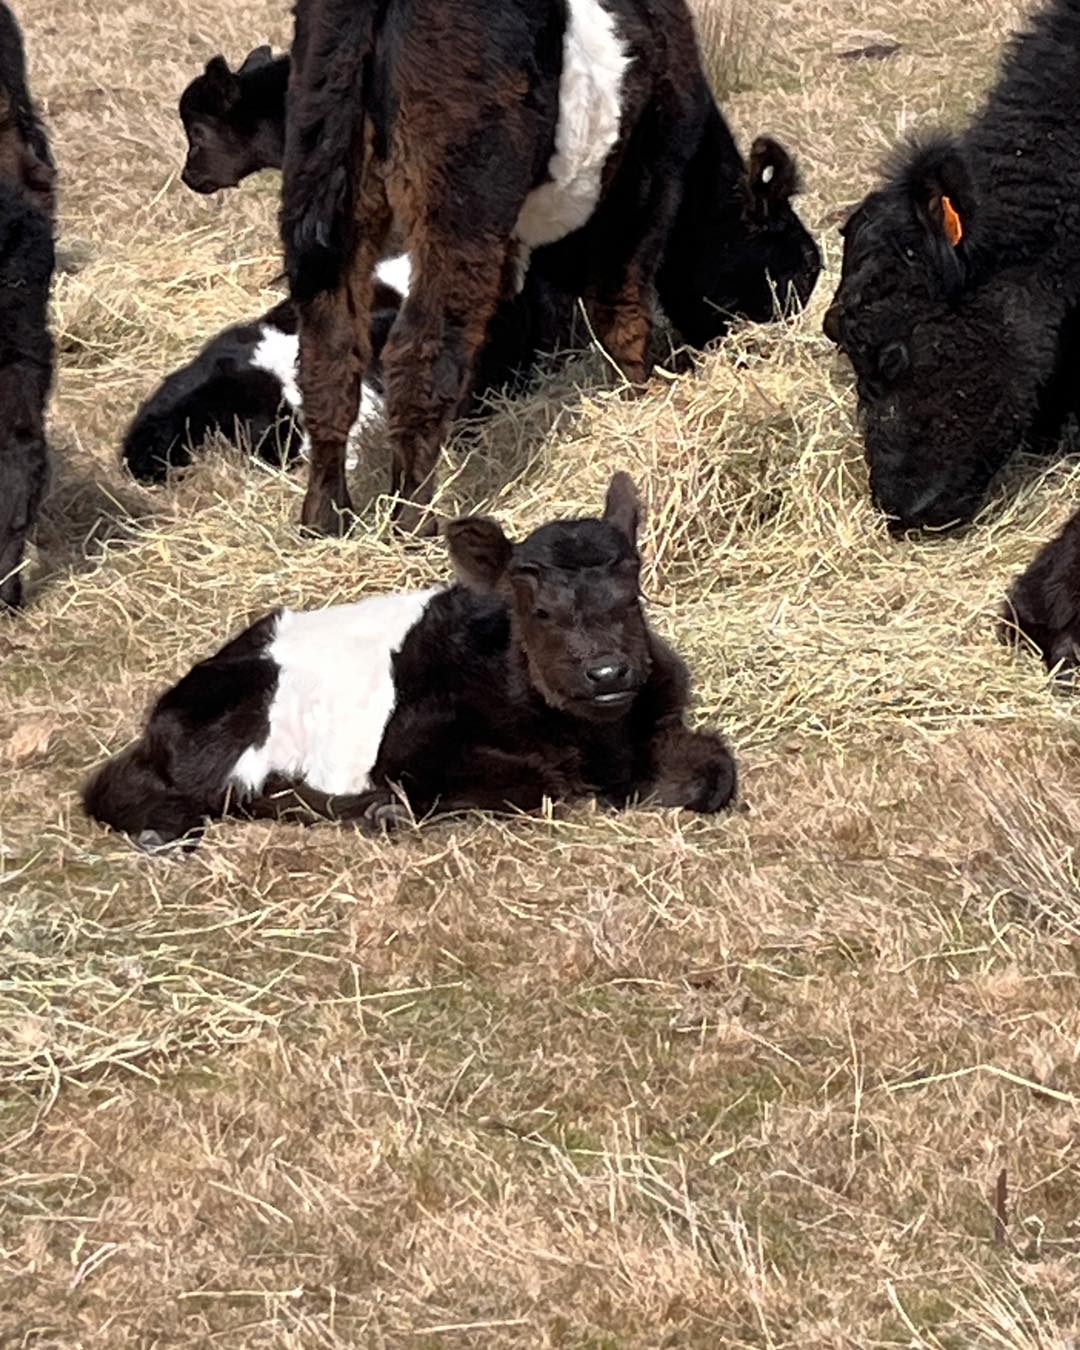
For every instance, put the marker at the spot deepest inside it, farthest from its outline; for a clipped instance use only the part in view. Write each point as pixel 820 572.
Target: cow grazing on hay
pixel 234 120
pixel 1043 606
pixel 959 294
pixel 536 676
pixel 483 132
pixel 25 159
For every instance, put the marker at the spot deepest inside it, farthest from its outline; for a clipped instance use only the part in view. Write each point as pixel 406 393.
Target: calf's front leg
pixel 692 769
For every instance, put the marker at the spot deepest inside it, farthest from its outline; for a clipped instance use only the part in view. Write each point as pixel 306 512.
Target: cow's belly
pixel 590 102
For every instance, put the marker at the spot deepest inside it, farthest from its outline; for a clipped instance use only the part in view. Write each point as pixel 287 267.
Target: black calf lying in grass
pixel 1044 602
pixel 535 676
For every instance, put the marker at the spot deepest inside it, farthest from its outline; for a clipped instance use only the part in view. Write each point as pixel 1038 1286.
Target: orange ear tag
pixel 950 219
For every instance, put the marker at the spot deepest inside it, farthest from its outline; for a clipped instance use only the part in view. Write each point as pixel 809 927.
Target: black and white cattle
pixel 535 676
pixel 242 385
pixel 574 140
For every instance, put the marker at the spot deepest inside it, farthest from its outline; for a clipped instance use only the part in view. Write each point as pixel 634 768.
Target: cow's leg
pixel 23 471
pixel 630 233
pixel 335 351
pixel 429 356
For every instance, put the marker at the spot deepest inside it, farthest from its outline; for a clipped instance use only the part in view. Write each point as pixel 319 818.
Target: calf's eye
pixel 541 614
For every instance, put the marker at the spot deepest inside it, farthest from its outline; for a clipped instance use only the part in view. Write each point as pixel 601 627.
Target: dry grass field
pixel 591 1081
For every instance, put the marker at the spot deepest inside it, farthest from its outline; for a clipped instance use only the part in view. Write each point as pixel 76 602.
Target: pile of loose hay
pixel 587 1080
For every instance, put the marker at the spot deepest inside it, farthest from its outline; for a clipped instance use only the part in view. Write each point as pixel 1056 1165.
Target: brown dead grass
pixel 580 1081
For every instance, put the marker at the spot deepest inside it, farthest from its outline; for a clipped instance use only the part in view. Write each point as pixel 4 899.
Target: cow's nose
pixel 832 324
pixel 607 673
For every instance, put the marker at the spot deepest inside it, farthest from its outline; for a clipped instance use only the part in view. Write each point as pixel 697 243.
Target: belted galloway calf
pixel 572 138
pixel 535 676
pixel 959 297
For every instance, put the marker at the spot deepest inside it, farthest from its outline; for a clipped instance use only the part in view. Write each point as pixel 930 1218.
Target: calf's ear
pixel 222 80
pixel 255 60
pixel 622 508
pixel 941 191
pixel 772 178
pixel 479 551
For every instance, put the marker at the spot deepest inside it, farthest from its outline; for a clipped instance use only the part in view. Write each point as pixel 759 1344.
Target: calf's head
pixel 949 359
pixel 575 605
pixel 234 120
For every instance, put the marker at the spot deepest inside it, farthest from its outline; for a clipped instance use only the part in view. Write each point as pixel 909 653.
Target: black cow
pixel 234 121
pixel 958 299
pixel 536 676
pixel 25 159
pixel 494 135
pixel 26 357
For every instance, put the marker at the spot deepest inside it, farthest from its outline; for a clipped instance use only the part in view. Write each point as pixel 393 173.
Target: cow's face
pixel 739 249
pixel 572 591
pixel 948 367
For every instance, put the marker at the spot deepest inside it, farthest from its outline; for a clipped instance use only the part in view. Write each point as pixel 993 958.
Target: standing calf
pixel 482 130
pixel 536 676
pixel 959 299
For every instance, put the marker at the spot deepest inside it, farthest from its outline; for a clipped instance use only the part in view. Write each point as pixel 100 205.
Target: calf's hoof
pixel 387 814
pixel 713 786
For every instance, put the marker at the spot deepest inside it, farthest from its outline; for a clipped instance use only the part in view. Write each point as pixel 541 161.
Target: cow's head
pixel 572 591
pixel 738 248
pixel 949 361
pixel 230 133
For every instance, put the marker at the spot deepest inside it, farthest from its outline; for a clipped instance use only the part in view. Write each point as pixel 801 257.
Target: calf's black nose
pixel 606 674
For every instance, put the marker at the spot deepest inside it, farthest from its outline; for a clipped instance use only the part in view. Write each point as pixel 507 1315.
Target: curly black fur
pixel 960 288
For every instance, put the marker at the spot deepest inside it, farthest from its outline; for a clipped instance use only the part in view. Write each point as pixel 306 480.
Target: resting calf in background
pixel 483 131
pixel 242 385
pixel 535 676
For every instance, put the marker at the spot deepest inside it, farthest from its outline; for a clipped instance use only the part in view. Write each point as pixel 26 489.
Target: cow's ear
pixel 772 177
pixel 622 507
pixel 942 194
pixel 255 60
pixel 479 551
pixel 222 80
